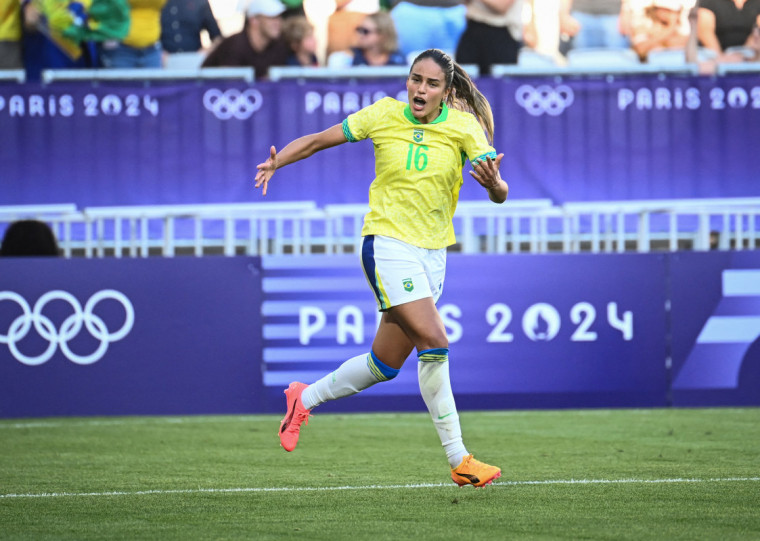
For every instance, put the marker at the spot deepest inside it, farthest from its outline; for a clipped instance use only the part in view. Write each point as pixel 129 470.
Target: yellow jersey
pixel 418 169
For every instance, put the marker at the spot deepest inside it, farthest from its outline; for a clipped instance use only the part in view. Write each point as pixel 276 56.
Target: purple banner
pixel 716 328
pixel 226 335
pixel 130 337
pixel 535 331
pixel 582 138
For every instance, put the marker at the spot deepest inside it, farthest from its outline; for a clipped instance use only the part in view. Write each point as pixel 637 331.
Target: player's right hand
pixel 266 170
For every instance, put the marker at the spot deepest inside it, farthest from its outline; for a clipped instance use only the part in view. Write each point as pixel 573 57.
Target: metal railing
pixel 696 224
pixel 299 227
pixel 278 73
pixel 258 228
pixel 146 74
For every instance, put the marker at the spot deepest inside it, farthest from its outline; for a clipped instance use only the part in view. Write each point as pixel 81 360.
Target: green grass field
pixel 596 474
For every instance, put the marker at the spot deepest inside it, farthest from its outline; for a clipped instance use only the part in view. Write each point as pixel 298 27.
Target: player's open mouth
pixel 418 104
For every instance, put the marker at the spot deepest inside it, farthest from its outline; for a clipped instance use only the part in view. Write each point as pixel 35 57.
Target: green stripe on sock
pixel 439 355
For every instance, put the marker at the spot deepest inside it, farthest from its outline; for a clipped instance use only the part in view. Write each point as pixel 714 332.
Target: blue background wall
pixel 582 138
pixel 226 335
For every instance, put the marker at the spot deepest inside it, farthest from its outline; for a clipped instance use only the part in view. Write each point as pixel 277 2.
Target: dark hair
pixel 29 237
pixel 464 94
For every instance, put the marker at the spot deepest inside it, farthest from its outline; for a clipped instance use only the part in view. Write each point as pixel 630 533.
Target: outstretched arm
pixel 296 150
pixel 486 172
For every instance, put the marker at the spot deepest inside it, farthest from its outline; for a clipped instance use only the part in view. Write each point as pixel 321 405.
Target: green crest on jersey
pixel 418 135
pixel 408 285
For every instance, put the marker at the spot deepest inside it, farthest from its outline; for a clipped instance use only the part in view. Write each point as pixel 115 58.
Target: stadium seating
pixel 189 60
pixel 602 59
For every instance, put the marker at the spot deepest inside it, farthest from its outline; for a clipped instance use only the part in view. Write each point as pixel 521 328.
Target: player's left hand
pixel 266 170
pixel 486 172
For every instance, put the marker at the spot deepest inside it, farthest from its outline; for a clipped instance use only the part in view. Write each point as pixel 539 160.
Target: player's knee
pixel 432 338
pixel 424 345
pixel 379 369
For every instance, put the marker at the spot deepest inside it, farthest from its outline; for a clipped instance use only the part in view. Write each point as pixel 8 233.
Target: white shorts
pixel 399 273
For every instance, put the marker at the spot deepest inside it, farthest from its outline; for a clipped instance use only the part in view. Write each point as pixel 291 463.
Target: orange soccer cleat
pixel 290 426
pixel 474 472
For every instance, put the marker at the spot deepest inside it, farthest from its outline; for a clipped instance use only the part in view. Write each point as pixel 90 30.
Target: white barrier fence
pixel 299 227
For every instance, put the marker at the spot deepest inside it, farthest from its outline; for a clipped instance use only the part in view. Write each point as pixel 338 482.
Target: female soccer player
pixel 420 148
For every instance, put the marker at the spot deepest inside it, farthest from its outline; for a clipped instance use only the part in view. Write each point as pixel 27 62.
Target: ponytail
pixel 464 95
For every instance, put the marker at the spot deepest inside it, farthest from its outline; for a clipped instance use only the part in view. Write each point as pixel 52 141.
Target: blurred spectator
pixel 182 22
pixel 753 44
pixel 29 238
pixel 708 66
pixel 661 27
pixel 692 50
pixel 63 34
pixel 335 22
pixel 377 42
pixel 428 24
pixel 10 35
pixel 530 27
pixel 594 23
pixel 299 35
pixel 493 34
pixel 541 28
pixel 141 48
pixel 722 24
pixel 348 15
pixel 260 43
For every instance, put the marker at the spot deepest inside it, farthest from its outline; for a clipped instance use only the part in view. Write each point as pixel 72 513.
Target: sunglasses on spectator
pixel 365 31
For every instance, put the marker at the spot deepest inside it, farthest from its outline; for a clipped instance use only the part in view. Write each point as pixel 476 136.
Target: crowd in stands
pixel 60 34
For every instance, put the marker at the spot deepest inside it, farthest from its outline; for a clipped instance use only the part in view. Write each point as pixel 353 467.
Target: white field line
pixel 133 421
pixel 378 487
pixel 130 421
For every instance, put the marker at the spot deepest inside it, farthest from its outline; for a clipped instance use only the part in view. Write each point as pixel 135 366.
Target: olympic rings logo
pixel 544 99
pixel 70 327
pixel 232 103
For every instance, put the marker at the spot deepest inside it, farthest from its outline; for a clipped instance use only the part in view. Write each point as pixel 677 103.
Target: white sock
pixel 354 375
pixel 435 386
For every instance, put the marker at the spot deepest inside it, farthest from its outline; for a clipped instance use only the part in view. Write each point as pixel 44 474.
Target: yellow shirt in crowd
pixel 145 26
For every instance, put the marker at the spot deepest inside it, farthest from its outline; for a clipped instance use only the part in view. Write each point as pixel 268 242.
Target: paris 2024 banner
pixel 650 136
pixel 227 335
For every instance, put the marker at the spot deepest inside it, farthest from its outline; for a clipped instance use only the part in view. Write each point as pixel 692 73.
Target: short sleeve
pixel 209 22
pixel 708 4
pixel 474 142
pixel 359 125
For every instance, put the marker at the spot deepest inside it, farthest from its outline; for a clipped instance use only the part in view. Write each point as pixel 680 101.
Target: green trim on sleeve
pixel 482 158
pixel 347 132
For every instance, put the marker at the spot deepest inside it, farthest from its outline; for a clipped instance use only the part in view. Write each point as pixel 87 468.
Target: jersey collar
pixel 442 117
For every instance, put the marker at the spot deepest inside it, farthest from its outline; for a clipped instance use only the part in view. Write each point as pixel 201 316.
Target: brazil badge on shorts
pixel 417 135
pixel 408 285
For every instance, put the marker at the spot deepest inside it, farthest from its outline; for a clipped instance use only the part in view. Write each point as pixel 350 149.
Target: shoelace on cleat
pixel 301 416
